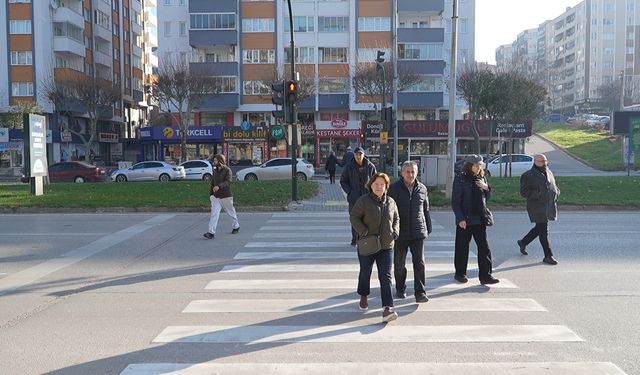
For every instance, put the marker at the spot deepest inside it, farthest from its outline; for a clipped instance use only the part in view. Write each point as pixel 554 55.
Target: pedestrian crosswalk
pixel 293 271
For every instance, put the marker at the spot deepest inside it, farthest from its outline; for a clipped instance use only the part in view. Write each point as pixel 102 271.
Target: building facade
pixel 246 45
pixel 59 39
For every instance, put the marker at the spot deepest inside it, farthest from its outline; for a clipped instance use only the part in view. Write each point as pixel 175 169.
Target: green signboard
pixel 277 132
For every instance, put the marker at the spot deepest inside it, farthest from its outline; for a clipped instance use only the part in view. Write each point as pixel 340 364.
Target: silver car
pixel 277 169
pixel 520 163
pixel 149 171
pixel 198 169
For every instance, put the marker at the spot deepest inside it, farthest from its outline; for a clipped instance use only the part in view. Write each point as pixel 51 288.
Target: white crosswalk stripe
pixel 322 255
pixel 306 244
pixel 296 267
pixel 344 235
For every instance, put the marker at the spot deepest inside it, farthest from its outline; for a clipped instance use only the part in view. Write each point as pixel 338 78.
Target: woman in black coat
pixel 469 203
pixel 330 167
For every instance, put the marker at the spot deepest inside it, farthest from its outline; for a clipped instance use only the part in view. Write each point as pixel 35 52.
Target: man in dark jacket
pixel 330 166
pixel 220 196
pixel 353 181
pixel 415 225
pixel 538 186
pixel 347 157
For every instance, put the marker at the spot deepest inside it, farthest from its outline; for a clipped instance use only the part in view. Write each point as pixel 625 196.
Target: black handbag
pixel 370 245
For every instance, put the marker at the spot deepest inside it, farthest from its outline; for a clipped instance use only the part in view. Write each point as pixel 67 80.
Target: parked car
pixel 76 171
pixel 198 170
pixel 554 117
pixel 520 163
pixel 149 171
pixel 277 169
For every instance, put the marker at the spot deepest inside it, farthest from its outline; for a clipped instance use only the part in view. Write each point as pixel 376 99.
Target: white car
pixel 198 170
pixel 520 163
pixel 149 171
pixel 277 169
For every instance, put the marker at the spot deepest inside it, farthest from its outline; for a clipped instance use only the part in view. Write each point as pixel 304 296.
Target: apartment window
pixel 21 58
pixel 333 55
pixel 116 53
pixel 607 51
pixel 136 17
pixel 631 35
pixel 20 27
pixel 333 24
pixel 183 28
pixel 19 1
pixel 127 59
pixel 259 56
pixel 226 84
pixel 102 19
pixel 255 88
pixel 22 88
pixel 115 5
pixel 370 54
pixel 426 51
pixel 301 24
pixel 607 21
pixel 258 25
pixel 218 21
pixel 168 2
pixel 116 29
pixel 87 14
pixel 65 29
pixel 167 28
pixel 374 23
pixel 334 85
pixel 330 116
pixel 427 84
pixel 607 64
pixel 304 55
pixel 607 36
pixel 630 50
pixel 463 26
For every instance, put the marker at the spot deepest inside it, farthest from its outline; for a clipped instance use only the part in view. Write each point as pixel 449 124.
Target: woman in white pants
pixel 221 197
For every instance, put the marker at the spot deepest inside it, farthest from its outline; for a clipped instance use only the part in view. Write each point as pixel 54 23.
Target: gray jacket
pixel 541 193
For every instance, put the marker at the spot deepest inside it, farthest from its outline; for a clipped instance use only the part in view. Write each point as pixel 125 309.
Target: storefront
pixel 336 136
pixel 307 137
pixel 163 142
pixel 248 146
pixel 11 147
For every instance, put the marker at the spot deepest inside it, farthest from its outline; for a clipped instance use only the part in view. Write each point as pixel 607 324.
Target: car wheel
pixel 164 177
pixel 121 178
pixel 251 177
pixel 206 177
pixel 301 176
pixel 78 180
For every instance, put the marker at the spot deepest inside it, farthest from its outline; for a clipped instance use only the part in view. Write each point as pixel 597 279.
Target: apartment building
pixel 245 44
pixel 586 46
pixel 69 38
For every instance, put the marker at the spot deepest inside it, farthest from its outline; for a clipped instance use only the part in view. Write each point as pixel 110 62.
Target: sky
pixel 499 22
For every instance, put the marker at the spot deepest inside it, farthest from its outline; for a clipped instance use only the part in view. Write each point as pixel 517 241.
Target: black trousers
pixel 541 230
pixel 399 261
pixel 332 176
pixel 354 235
pixel 461 257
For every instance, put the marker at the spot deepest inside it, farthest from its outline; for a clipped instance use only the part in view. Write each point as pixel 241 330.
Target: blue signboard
pixel 171 134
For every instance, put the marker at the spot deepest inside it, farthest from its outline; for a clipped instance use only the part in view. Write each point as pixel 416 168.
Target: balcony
pixel 208 6
pixel 152 59
pixel 102 33
pixel 429 7
pixel 102 59
pixel 150 18
pixel 136 28
pixel 220 102
pixel 333 101
pixel 150 39
pixel 208 38
pixel 214 68
pixel 410 100
pixel 422 66
pixel 136 50
pixel 64 14
pixel 68 45
pixel 420 35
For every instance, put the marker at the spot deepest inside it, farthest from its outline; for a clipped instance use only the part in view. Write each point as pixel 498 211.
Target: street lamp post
pixel 292 114
pixel 383 111
pixel 452 100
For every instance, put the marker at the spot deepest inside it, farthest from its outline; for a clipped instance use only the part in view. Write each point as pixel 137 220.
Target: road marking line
pixel 323 255
pixel 52 234
pixel 341 284
pixel 315 228
pixel 29 275
pixel 295 267
pixel 342 235
pixel 329 244
pixel 375 333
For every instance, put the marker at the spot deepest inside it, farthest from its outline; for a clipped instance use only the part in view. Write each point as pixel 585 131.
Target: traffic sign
pixel 277 132
pixel 384 137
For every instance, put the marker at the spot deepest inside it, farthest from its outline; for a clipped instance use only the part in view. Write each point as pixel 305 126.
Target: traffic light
pixel 380 60
pixel 386 117
pixel 292 91
pixel 278 98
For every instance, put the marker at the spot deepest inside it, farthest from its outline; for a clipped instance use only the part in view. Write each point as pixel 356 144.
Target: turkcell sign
pixel 172 133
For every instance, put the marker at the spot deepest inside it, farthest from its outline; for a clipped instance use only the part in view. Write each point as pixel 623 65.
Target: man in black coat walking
pixel 330 166
pixel 415 225
pixel 353 181
pixel 538 186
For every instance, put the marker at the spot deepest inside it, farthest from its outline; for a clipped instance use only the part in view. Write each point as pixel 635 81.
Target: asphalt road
pixel 146 294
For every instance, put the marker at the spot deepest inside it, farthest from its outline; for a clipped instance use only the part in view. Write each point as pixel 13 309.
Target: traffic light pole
pixel 383 112
pixel 292 116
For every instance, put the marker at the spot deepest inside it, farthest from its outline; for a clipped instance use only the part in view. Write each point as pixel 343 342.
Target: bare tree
pixel 367 80
pixel 175 87
pixel 610 94
pixel 306 86
pixel 13 118
pixel 82 94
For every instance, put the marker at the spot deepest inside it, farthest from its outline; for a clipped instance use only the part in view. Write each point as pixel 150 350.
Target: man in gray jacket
pixel 221 197
pixel 538 186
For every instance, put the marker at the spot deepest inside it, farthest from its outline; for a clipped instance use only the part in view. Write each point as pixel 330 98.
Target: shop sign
pixel 339 123
pixel 330 125
pixel 464 128
pixel 308 130
pixel 339 133
pixel 107 137
pixel 371 129
pixel 172 133
pixel 66 136
pixel 238 135
pixel 277 132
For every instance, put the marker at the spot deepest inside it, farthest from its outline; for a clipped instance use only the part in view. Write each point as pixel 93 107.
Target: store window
pixel 213 118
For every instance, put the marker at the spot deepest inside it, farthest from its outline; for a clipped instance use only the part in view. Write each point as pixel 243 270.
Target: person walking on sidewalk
pixel 538 186
pixel 469 203
pixel 375 216
pixel 412 199
pixel 221 197
pixel 354 180
pixel 330 166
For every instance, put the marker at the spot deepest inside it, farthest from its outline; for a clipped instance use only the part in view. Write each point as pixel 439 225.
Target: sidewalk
pixel 329 198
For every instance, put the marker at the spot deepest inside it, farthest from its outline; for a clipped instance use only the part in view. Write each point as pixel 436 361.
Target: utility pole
pixel 383 111
pixel 394 90
pixel 291 89
pixel 452 99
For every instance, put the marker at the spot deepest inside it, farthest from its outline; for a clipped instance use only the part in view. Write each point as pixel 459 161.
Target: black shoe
pixel 550 260
pixel 461 278
pixel 490 280
pixel 209 236
pixel 400 294
pixel 523 247
pixel 235 230
pixel 422 298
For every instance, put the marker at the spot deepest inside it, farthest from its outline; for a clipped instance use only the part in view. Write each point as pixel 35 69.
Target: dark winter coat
pixel 347 158
pixel 465 207
pixel 222 179
pixel 353 183
pixel 413 207
pixel 330 164
pixel 365 219
pixel 541 193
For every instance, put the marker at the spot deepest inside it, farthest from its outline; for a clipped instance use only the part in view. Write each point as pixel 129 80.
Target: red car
pixel 77 171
